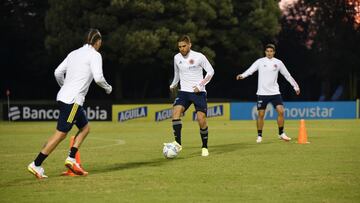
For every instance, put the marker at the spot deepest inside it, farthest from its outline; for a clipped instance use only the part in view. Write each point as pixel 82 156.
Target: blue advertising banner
pixel 297 110
pixel 50 112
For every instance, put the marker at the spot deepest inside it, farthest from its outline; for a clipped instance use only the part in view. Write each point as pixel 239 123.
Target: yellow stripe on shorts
pixel 72 113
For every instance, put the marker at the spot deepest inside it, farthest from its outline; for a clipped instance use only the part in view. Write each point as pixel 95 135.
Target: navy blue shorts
pixel 185 99
pixel 263 101
pixel 70 114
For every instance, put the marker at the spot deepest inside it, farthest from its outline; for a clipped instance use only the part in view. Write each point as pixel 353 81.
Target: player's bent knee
pixel 86 129
pixel 261 115
pixel 177 113
pixel 203 125
pixel 201 117
pixel 176 117
pixel 60 135
pixel 280 112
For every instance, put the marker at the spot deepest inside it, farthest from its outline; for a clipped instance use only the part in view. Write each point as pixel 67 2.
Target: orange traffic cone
pixel 302 138
pixel 77 158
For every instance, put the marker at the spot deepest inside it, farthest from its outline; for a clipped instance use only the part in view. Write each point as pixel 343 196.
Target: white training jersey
pixel 189 71
pixel 268 75
pixel 81 66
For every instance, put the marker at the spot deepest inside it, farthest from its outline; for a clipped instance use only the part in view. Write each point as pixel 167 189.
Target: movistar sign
pixel 297 110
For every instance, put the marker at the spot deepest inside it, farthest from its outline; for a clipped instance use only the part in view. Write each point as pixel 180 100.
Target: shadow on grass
pixel 31 180
pixel 130 165
pixel 196 152
pixel 214 150
pixel 222 149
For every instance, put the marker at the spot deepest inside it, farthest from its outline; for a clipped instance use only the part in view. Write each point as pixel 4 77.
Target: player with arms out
pixel 268 88
pixel 81 66
pixel 188 69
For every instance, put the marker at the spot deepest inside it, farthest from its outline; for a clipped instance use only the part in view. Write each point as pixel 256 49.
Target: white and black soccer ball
pixel 170 151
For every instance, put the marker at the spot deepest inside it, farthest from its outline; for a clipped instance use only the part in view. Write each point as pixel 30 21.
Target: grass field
pixel 125 164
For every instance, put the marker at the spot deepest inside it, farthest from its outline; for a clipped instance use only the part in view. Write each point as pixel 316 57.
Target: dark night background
pixel 318 41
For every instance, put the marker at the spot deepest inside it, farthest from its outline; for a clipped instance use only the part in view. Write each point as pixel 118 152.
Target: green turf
pixel 125 164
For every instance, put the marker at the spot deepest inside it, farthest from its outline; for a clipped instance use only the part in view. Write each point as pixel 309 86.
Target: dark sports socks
pixel 177 125
pixel 72 152
pixel 260 133
pixel 204 137
pixel 281 130
pixel 39 159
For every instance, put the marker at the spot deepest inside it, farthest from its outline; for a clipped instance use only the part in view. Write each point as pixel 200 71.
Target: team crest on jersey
pixel 191 61
pixel 275 67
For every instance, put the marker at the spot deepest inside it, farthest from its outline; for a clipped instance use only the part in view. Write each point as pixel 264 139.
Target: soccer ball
pixel 170 151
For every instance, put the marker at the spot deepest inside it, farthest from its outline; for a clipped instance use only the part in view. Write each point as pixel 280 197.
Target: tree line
pixel 140 42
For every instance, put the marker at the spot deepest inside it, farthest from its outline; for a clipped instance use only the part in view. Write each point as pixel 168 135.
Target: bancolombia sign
pixel 32 112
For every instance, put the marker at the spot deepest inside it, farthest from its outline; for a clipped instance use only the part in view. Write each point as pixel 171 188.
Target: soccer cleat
pixel 38 171
pixel 259 139
pixel 284 137
pixel 204 152
pixel 71 164
pixel 177 145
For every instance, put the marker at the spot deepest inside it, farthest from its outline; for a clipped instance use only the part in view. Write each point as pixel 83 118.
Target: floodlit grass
pixel 125 164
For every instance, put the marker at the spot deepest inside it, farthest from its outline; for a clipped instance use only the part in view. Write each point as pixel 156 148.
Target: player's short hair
pixel 184 38
pixel 272 46
pixel 92 36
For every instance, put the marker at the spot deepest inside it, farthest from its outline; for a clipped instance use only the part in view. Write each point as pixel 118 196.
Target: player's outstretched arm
pixel 254 67
pixel 239 77
pixel 289 78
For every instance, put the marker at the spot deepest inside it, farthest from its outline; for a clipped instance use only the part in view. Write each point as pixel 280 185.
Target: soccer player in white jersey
pixel 74 75
pixel 188 69
pixel 268 68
